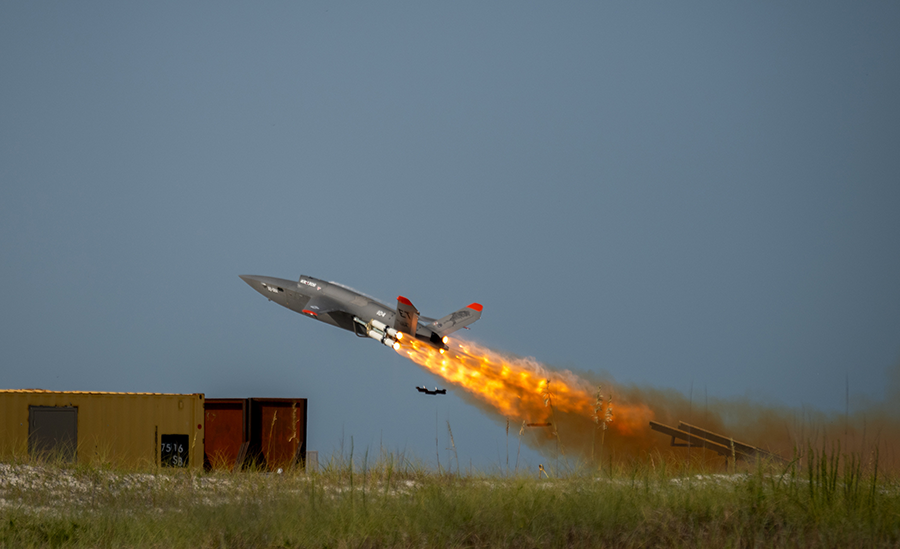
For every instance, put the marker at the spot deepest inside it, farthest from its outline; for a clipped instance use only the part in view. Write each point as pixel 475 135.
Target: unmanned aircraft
pixel 345 308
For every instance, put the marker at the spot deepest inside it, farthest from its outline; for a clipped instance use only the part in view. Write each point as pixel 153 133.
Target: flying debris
pixel 424 389
pixel 340 306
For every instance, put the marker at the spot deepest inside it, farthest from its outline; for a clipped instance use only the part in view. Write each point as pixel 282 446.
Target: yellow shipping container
pixel 124 429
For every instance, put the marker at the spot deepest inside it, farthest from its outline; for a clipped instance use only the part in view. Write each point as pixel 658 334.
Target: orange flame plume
pixel 573 412
pixel 522 389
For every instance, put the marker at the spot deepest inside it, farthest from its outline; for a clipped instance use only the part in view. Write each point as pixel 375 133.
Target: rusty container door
pixel 226 432
pixel 278 432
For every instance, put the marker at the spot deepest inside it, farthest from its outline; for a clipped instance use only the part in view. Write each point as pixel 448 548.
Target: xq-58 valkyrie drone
pixel 340 306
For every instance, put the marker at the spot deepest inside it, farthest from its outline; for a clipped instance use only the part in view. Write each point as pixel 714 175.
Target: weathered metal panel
pixel 53 432
pixel 278 432
pixel 226 430
pixel 120 428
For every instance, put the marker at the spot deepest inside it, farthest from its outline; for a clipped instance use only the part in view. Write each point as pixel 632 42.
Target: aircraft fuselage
pixel 340 306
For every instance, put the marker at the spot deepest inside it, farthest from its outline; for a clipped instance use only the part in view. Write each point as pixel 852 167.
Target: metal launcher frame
pixel 696 437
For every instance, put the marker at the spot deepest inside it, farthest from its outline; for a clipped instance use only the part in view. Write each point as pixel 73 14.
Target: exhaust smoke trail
pixel 528 393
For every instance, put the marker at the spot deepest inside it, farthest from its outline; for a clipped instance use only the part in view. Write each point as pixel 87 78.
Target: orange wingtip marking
pixel 404 301
pixel 476 306
pixel 308 312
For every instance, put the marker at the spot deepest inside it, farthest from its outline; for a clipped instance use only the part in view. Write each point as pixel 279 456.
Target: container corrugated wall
pixel 226 431
pixel 126 429
pixel 268 433
pixel 278 431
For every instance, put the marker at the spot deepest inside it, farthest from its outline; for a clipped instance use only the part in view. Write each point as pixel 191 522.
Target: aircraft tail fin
pixel 457 320
pixel 407 320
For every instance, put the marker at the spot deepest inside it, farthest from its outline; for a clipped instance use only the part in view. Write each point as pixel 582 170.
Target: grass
pixel 827 499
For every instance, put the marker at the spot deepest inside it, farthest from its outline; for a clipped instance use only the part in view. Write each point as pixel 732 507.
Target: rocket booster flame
pixel 563 409
pixel 521 388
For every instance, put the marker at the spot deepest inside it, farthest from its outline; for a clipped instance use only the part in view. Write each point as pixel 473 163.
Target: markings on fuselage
pixel 310 283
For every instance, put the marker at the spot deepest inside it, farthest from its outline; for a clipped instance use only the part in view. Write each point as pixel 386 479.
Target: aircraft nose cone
pixel 254 282
pixel 272 288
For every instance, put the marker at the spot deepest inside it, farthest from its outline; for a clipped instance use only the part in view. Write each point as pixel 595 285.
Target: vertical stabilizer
pixel 407 320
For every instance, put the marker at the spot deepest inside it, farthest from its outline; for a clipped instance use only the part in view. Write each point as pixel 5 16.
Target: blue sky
pixel 692 196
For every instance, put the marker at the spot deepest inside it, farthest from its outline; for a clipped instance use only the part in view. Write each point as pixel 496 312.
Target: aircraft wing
pixel 457 320
pixel 320 305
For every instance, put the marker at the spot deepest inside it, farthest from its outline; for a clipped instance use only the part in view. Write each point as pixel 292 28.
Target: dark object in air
pixel 424 389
